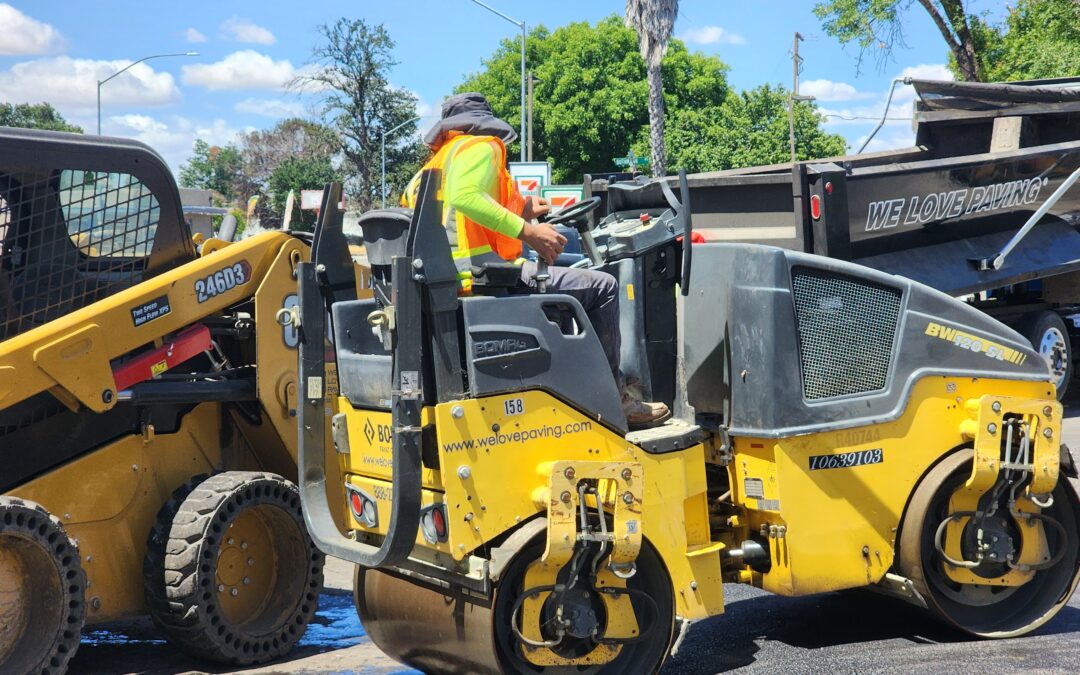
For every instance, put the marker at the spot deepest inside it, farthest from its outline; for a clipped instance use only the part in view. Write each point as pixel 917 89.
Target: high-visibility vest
pixel 470 242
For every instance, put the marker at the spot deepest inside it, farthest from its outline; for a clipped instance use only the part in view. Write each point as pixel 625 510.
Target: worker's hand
pixel 544 239
pixel 534 208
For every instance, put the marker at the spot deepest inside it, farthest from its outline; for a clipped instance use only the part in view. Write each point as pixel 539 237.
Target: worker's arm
pixel 470 181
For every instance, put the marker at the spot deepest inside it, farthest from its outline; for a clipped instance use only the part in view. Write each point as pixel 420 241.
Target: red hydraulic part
pixel 187 344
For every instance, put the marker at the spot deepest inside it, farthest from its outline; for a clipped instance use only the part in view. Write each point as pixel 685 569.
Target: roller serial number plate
pixel 847 460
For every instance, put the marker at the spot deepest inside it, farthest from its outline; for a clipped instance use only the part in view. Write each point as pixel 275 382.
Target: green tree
pixel 653 21
pixel 34 116
pixel 1038 39
pixel 591 103
pixel 879 25
pixel 748 129
pixel 263 151
pixel 296 174
pixel 213 168
pixel 351 75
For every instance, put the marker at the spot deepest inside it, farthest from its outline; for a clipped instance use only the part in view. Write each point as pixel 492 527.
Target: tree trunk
pixel 953 26
pixel 656 119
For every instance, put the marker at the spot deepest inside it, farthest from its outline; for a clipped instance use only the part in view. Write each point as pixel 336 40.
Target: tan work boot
pixel 642 414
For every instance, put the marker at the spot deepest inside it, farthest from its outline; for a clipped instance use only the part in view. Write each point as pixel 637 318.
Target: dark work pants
pixel 598 293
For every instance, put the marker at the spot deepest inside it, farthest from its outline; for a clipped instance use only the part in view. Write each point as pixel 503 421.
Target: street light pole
pixel 382 137
pixel 521 25
pixel 130 65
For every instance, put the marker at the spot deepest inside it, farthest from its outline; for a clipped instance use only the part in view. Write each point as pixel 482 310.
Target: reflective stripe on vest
pixel 467 253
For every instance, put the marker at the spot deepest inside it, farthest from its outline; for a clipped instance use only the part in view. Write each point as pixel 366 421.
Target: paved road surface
pixel 849 632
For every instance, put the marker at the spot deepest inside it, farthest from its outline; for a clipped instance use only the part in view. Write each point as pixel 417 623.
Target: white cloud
pixel 71 84
pixel 22 36
pixel 246 69
pixel 172 137
pixel 898 119
pixel 245 30
pixel 928 71
pixel 270 107
pixel 193 35
pixel 712 35
pixel 827 90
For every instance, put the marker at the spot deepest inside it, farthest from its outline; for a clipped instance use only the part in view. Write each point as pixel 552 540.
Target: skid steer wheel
pixel 986 611
pixel 42 584
pixel 240 576
pixel 644 656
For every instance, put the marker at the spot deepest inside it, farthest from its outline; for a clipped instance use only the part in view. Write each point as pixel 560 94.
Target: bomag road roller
pixel 147 414
pixel 833 427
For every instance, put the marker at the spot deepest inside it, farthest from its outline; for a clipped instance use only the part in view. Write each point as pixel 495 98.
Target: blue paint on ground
pixel 335 625
pixel 110 637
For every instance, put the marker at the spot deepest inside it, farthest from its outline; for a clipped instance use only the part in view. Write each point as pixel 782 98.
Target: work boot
pixel 643 414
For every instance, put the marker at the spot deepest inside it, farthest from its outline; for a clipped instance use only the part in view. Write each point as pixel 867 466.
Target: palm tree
pixel 653 20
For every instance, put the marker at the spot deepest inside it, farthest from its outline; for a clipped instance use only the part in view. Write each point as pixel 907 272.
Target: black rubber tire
pixel 154 588
pixel 193 528
pixel 1006 612
pixel 1036 326
pixel 50 625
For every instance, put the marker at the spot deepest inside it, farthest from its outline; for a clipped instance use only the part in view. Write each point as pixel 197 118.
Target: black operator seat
pixel 365 366
pixel 384 232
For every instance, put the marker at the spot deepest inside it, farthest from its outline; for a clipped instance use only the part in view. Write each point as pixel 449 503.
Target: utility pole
pixel 530 80
pixel 796 62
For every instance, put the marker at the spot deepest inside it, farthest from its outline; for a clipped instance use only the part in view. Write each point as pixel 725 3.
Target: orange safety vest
pixel 470 242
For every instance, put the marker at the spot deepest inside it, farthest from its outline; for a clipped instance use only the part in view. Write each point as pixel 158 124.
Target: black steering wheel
pixel 574 213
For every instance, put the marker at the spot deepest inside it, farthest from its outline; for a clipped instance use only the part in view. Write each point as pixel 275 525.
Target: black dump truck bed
pixel 986 158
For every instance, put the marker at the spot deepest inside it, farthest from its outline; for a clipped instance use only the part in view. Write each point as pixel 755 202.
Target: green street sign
pixel 625 161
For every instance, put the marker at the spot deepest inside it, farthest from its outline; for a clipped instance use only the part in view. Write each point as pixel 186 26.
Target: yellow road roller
pixel 147 414
pixel 833 427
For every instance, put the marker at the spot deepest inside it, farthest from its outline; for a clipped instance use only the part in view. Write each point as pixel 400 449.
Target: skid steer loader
pixel 834 427
pixel 147 414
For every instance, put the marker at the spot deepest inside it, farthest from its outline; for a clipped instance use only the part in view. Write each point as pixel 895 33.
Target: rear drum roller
pixel 985 610
pixel 42 585
pixel 231 574
pixel 441 632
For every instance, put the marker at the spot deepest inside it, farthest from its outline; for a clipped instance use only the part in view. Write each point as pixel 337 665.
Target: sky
pixel 57 50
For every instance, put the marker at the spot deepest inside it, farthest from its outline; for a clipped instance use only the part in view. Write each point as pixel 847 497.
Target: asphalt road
pixel 848 632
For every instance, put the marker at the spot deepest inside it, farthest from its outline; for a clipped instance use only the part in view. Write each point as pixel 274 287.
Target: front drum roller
pixel 231 574
pixel 437 630
pixel 42 587
pixel 986 610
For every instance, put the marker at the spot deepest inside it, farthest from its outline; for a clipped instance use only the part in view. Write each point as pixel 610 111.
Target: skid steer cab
pixel 833 428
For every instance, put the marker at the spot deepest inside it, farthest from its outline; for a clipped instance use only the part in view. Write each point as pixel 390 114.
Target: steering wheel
pixel 576 212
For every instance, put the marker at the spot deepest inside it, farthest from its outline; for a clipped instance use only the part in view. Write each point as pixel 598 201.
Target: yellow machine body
pixel 108 498
pixel 827 529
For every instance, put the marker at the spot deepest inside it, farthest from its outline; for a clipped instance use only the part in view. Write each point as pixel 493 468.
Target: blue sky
pixel 56 50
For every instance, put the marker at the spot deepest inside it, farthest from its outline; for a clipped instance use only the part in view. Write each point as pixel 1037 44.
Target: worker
pixel 487 219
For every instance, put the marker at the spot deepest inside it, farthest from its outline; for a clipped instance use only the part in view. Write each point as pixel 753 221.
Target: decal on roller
pixel 975 344
pixel 847 460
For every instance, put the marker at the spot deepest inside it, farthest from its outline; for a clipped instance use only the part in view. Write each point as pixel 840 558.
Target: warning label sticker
pixel 148 311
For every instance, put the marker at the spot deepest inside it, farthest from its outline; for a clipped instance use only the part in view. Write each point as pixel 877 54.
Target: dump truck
pixel 984 206
pixel 834 427
pixel 147 414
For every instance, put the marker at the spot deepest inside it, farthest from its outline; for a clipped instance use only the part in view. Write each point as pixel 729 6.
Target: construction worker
pixel 487 219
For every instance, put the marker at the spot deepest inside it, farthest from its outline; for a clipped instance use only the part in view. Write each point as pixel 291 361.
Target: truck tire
pixel 231 574
pixel 1047 333
pixel 42 588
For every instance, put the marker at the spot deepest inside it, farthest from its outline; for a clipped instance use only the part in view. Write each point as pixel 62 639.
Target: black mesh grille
pixel 846 329
pixel 69 238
